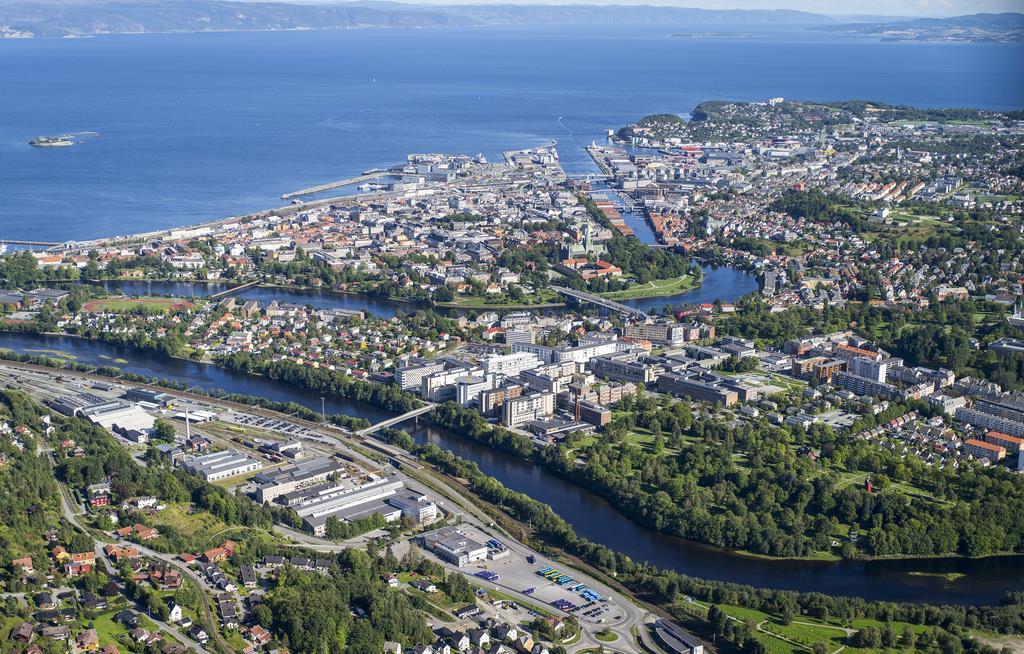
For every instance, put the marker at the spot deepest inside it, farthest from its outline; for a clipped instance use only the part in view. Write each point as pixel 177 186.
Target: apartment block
pixel 518 411
pixel 510 365
pixel 864 386
pixel 1011 443
pixel 990 422
pixel 411 376
pixel 983 450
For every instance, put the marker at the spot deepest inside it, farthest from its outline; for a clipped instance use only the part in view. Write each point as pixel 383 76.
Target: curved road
pixel 632 615
pixel 71 515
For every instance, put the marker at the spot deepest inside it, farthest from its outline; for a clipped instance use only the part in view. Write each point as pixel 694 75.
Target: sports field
pixel 127 304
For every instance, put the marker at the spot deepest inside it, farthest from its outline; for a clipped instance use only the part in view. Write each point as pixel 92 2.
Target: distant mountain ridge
pixel 34 19
pixel 42 18
pixel 45 19
pixel 1004 27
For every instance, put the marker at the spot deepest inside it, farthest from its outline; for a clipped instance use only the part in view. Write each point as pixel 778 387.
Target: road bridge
pixel 590 298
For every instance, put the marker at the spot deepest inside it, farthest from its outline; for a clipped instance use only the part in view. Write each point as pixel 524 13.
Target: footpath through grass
pixel 804 632
pixel 656 288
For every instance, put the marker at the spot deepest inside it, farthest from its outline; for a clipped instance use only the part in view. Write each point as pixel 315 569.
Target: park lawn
pixel 918 228
pixel 847 478
pixel 807 630
pixel 902 216
pixel 125 304
pixel 644 439
pixel 809 634
pixel 585 441
pixel 857 478
pixel 914 491
pixel 981 318
pixel 822 556
pixel 655 288
pixel 772 645
pixel 860 623
pixel 741 613
pixel 787 382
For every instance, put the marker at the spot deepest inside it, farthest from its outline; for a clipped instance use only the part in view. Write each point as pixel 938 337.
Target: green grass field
pixel 107 629
pixel 7 623
pixel 800 636
pixel 607 636
pixel 656 288
pixel 126 305
pixel 206 529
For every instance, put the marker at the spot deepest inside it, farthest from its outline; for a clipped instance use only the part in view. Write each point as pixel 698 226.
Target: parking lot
pixel 287 429
pixel 557 586
pixel 280 426
pixel 838 419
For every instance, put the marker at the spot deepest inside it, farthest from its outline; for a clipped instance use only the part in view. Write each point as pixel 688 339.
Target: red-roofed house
pixel 23 563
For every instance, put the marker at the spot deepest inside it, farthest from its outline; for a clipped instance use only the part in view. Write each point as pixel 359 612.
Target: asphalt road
pixel 339 440
pixel 72 515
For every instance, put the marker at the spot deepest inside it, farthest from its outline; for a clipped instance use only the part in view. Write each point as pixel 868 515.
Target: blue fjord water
pixel 198 126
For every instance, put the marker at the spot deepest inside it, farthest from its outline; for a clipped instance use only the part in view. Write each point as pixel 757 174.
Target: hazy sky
pixel 832 7
pixel 849 7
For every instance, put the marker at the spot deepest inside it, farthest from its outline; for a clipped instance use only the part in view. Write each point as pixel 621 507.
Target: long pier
pixel 49 244
pixel 590 298
pixel 312 190
pixel 390 422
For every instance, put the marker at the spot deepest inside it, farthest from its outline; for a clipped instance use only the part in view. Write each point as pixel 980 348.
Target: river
pixel 984 580
pixel 197 375
pixel 718 283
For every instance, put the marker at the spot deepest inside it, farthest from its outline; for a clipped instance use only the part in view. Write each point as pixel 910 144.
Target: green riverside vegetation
pixel 669 589
pixel 747 488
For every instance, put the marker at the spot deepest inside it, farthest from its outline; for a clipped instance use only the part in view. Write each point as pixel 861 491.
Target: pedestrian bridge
pixel 391 422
